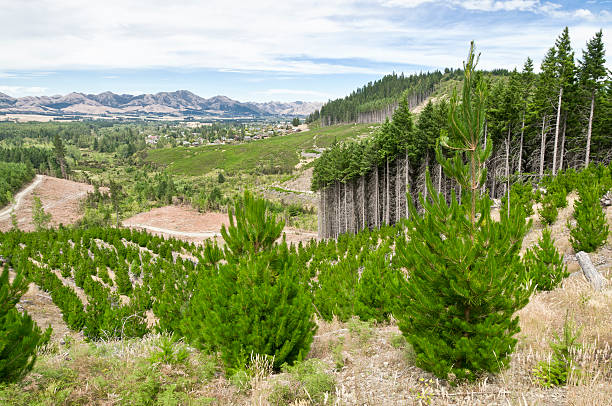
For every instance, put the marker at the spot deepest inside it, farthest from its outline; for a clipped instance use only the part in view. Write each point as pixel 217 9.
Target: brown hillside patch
pixel 190 225
pixel 60 197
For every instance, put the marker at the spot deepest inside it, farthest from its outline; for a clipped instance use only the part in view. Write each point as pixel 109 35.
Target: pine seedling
pixel 549 211
pixel 20 337
pixel 466 280
pixel 254 229
pixel 544 264
pixel 591 229
pixel 257 303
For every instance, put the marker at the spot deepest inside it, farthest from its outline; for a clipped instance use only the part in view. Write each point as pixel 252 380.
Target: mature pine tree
pixel 527 82
pixel 565 72
pixel 592 72
pixel 20 337
pixel 60 153
pixel 544 102
pixel 465 277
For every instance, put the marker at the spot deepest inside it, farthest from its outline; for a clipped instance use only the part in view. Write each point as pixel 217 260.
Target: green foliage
pixel 549 211
pixel 381 93
pixel 354 280
pixel 308 382
pixel 296 121
pixel 267 156
pixel 254 230
pixel 106 318
pixel 40 218
pixel 346 161
pixel 544 264
pixel 458 305
pixel 334 293
pixel 562 367
pixel 20 337
pixel 257 303
pixel 12 177
pixel 374 298
pixel 591 229
pixel 170 352
pixel 521 198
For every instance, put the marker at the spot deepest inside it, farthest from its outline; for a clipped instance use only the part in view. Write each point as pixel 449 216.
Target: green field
pixel 271 155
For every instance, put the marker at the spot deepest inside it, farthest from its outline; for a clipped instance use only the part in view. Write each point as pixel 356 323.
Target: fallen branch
pixel 590 272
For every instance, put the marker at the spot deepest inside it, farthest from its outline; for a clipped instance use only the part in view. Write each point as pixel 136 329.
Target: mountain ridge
pixel 177 103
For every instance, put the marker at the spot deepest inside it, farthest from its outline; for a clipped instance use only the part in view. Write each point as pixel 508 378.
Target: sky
pixel 271 50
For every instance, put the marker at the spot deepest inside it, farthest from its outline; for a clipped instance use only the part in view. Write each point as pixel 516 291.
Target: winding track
pixel 205 234
pixel 6 212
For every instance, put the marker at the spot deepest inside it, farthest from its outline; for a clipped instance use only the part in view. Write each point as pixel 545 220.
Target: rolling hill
pixel 178 103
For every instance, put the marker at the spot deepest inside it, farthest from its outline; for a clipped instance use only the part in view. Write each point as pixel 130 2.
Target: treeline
pixel 537 123
pixel 98 135
pixel 12 177
pixel 39 158
pixel 377 100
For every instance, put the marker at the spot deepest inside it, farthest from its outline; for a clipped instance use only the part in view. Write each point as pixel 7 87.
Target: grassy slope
pixel 282 152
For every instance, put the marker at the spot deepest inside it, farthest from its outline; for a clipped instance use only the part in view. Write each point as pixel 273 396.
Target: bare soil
pixel 190 225
pixel 60 197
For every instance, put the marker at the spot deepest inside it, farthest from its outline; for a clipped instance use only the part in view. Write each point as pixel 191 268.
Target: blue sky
pixel 270 50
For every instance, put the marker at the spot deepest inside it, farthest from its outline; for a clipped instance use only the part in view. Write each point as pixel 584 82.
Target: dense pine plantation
pixel 125 273
pixel 12 177
pixel 538 124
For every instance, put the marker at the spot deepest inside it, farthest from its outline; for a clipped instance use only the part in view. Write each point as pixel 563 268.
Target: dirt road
pixel 6 212
pixel 59 197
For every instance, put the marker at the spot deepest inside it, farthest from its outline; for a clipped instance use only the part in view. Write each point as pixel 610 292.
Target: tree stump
pixel 593 276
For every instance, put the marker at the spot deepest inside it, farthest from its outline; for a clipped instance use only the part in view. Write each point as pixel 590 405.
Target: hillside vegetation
pixel 271 155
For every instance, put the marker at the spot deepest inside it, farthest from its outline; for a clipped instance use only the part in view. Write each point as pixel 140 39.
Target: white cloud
pixel 284 37
pixel 405 3
pixel 294 92
pixel 20 91
pixel 584 13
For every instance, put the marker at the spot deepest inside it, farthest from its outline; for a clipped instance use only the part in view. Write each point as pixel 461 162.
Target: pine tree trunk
pixel 493 181
pixel 562 144
pixel 397 190
pixel 554 169
pixel 589 131
pixel 363 213
pixel 377 200
pixel 387 193
pixel 439 178
pixel 426 168
pixel 484 184
pixel 337 209
pixel 321 214
pixel 520 160
pixel 406 183
pixel 542 147
pixel 345 211
pixel 507 185
pixel 62 167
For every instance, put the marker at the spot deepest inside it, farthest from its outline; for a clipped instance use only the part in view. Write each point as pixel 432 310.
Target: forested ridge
pixel 376 101
pixel 538 123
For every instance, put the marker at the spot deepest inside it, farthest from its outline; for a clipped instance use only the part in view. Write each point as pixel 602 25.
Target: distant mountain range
pixel 179 103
